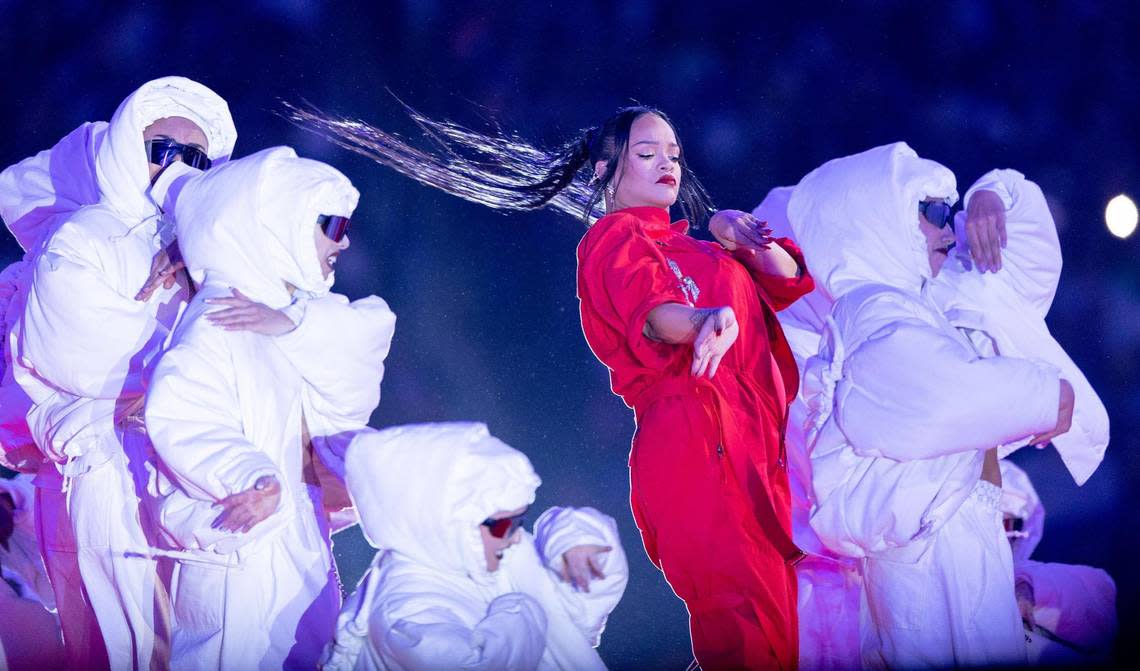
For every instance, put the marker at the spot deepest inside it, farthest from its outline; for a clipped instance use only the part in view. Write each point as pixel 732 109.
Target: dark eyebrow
pixel 670 145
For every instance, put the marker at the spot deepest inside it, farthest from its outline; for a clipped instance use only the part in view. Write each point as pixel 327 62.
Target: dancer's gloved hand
pixel 164 269
pixel 583 563
pixel 244 510
pixel 985 229
pixel 244 314
pixel 717 334
pixel 735 229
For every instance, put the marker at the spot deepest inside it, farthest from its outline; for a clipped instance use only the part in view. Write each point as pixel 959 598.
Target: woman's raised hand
pixel 717 333
pixel 244 314
pixel 735 229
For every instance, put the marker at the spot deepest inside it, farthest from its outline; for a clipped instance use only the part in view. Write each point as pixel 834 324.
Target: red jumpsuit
pixel 709 488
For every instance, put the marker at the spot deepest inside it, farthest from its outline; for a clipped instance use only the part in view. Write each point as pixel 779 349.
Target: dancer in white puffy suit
pixel 1069 611
pixel 82 350
pixel 458 583
pixel 904 417
pixel 36 195
pixel 829 587
pixel 266 371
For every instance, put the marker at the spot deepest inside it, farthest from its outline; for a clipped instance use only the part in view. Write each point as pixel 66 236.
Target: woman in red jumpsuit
pixel 689 333
pixel 708 484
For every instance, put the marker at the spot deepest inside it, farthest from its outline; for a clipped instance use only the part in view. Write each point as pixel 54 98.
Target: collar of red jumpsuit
pixel 655 222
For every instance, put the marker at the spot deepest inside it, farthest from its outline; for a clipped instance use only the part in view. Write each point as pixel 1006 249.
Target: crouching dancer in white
pixel 247 405
pixel 904 416
pixel 83 349
pixel 458 583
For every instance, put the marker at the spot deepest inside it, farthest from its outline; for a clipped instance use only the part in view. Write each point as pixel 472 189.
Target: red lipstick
pixel 667 179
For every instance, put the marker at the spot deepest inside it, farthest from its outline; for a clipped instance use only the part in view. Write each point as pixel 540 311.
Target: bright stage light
pixel 1121 216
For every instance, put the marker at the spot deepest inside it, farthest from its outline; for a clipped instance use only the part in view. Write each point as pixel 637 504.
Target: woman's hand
pixel 243 314
pixel 583 563
pixel 717 333
pixel 735 229
pixel 1064 416
pixel 245 510
pixel 163 272
pixel 985 229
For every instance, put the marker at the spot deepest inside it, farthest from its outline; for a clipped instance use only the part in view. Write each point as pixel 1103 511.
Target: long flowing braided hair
pixel 504 171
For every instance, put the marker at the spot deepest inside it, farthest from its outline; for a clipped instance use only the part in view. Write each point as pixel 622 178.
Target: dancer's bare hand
pixel 583 563
pixel 163 272
pixel 718 331
pixel 985 230
pixel 1064 416
pixel 735 229
pixel 243 314
pixel 245 510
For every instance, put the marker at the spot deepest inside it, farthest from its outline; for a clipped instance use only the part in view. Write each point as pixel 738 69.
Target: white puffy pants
pixel 81 637
pixel 954 606
pixel 274 607
pixel 121 584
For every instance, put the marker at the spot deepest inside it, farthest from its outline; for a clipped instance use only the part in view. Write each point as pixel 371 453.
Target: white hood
pixel 804 320
pixel 422 490
pixel 38 192
pixel 1010 306
pixel 857 218
pixel 1019 500
pixel 249 224
pixel 121 163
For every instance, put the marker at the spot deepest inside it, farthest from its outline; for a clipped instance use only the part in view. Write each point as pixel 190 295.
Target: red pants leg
pixel 696 527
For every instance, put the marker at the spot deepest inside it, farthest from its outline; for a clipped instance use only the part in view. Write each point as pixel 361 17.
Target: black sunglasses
pixel 163 151
pixel 937 212
pixel 502 528
pixel 334 227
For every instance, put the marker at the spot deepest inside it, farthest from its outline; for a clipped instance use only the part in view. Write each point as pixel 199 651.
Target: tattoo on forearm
pixel 698 316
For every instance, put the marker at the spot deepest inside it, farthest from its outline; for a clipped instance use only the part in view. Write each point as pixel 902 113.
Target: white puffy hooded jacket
pixel 36 195
pixel 428 601
pixel 227 407
pixel 900 406
pixel 83 346
pixel 1007 309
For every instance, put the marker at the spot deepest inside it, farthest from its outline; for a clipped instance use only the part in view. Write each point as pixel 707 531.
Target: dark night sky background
pixel 488 326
